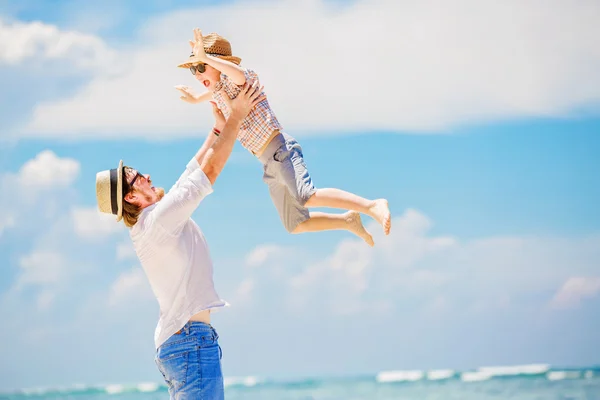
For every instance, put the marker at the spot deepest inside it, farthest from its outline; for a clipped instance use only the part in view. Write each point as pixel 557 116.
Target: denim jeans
pixel 190 362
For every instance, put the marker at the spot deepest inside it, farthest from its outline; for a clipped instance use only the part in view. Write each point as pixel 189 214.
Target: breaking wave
pixel 529 371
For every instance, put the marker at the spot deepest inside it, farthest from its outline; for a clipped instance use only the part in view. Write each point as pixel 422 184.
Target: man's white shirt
pixel 174 254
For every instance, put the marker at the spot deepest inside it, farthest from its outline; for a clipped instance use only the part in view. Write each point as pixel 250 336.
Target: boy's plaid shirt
pixel 260 123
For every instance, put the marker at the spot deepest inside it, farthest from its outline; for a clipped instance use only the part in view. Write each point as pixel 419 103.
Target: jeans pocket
pixel 210 361
pixel 174 369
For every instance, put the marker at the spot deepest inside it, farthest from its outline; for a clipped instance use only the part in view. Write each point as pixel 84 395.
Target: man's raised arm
pixel 213 160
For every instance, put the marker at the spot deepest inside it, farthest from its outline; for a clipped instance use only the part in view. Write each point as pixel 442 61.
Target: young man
pixel 174 254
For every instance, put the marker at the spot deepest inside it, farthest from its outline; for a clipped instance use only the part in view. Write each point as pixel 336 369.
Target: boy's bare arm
pixel 188 95
pixel 233 71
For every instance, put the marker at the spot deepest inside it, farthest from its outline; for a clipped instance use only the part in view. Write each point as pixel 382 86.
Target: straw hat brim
pixel 120 191
pixel 109 191
pixel 195 60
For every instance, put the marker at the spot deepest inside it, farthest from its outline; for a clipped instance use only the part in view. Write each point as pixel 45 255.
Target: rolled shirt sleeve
pixel 178 205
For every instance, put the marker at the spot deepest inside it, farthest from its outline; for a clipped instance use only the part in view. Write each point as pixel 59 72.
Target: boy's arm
pixel 233 71
pixel 203 97
pixel 178 205
pixel 189 96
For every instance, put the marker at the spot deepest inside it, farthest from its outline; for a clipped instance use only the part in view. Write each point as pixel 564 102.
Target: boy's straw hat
pixel 214 45
pixel 109 191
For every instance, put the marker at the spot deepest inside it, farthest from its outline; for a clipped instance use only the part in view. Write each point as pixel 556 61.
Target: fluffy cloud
pixel 37 41
pixel 411 268
pixel 48 170
pixel 125 250
pixel 46 175
pixel 130 286
pixel 89 223
pixel 42 267
pixel 262 254
pixel 575 290
pixel 380 64
pixel 6 221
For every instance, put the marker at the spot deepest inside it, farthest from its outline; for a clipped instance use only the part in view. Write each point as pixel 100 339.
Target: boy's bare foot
pixel 355 226
pixel 381 213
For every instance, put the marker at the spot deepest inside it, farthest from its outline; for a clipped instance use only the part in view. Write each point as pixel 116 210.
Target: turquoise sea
pixel 524 382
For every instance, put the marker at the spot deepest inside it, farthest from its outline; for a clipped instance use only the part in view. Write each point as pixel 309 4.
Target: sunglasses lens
pixel 198 68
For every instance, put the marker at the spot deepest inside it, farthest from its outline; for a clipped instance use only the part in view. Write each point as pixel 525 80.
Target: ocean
pixel 525 382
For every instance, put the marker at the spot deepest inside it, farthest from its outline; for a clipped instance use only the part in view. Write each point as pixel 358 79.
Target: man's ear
pixel 129 197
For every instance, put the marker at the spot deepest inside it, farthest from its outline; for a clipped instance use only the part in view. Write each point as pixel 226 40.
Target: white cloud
pixel 45 299
pixel 89 223
pixel 412 269
pixel 575 290
pixel 381 64
pixel 263 253
pixel 125 250
pixel 130 286
pixel 48 170
pixel 6 221
pixel 37 41
pixel 45 174
pixel 41 268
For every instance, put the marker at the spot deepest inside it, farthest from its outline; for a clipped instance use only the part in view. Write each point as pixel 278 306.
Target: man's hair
pixel 131 212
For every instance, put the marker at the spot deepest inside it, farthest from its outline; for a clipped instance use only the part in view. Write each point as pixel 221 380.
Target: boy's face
pixel 209 77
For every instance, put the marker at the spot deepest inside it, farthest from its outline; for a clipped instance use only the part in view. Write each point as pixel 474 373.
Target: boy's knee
pixel 292 227
pixel 294 224
pixel 309 197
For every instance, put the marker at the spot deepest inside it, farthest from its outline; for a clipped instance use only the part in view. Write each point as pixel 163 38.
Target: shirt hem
pixel 212 306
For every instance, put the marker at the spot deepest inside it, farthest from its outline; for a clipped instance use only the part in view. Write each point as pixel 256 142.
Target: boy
pixel 285 173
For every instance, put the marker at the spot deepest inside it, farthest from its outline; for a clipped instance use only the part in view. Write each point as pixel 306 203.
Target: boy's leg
pixel 294 174
pixel 336 198
pixel 349 221
pixel 280 176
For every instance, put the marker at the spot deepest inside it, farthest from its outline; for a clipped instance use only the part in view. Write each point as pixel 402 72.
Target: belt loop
pixel 186 327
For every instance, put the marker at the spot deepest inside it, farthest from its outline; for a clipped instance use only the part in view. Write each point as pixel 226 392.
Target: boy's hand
pixel 198 44
pixel 188 94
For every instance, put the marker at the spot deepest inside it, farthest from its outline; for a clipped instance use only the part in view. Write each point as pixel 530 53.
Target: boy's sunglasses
pixel 198 68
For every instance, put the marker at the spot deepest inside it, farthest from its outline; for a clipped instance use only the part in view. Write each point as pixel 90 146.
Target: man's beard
pixel 160 193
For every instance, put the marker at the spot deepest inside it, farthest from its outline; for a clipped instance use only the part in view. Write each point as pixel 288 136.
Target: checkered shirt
pixel 259 124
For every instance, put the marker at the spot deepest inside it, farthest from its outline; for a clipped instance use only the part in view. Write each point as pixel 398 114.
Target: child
pixel 285 172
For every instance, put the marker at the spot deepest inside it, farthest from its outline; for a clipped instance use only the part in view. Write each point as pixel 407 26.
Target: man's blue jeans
pixel 190 362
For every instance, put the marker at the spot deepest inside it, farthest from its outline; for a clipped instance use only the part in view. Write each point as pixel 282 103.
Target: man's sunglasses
pixel 137 175
pixel 198 68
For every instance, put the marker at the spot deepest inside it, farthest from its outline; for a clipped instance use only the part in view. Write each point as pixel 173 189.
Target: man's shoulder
pixel 143 223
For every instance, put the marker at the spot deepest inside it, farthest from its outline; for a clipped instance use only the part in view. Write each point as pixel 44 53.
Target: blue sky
pixel 484 140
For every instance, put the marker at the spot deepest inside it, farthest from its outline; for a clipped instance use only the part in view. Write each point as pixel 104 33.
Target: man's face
pixel 142 192
pixel 209 77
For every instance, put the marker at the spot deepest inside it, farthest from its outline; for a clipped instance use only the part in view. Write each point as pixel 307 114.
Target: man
pixel 175 257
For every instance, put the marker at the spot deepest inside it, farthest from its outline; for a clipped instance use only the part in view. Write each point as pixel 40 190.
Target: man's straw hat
pixel 214 45
pixel 109 191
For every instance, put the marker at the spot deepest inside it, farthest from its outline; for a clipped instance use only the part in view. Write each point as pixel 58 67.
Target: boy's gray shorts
pixel 287 177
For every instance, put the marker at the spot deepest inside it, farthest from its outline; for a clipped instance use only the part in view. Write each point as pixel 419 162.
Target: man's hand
pixel 245 101
pixel 188 95
pixel 198 45
pixel 216 156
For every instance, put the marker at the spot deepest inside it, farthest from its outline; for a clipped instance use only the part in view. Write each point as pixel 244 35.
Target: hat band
pixel 113 190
